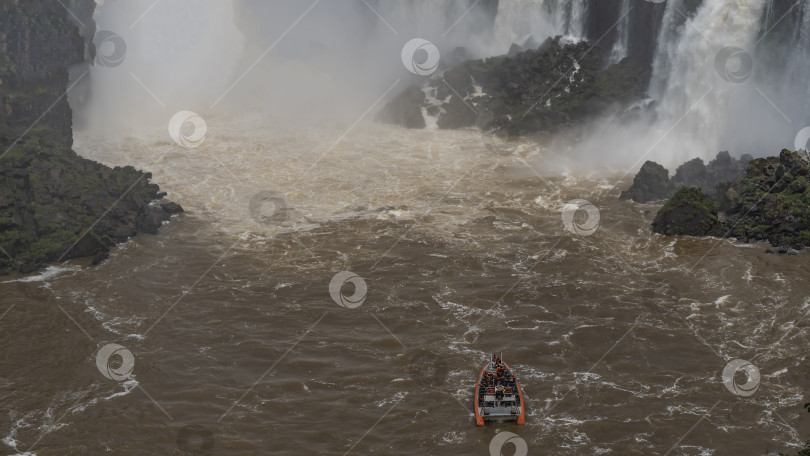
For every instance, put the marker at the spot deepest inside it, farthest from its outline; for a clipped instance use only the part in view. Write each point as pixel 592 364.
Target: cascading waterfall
pixel 702 104
pixel 622 43
pixel 796 73
pixel 671 29
pixel 519 19
pixel 571 17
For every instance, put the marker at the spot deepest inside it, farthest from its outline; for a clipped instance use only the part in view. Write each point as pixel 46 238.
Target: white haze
pixel 340 58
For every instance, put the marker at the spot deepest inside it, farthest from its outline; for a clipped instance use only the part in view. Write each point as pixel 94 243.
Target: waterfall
pixel 796 73
pixel 571 17
pixel 671 28
pixel 705 107
pixel 519 19
pixel 622 43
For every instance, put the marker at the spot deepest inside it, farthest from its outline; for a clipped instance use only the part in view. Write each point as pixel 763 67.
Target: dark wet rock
pixel 99 258
pixel 650 184
pixel 714 179
pixel 405 109
pixel 688 212
pixel 55 205
pixel 771 202
pixel 534 88
pixel 456 56
pixel 172 207
pixel 691 174
pixel 531 43
pixel 514 50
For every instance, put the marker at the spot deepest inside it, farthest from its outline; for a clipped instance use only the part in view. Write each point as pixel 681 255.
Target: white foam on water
pixel 21 423
pixel 452 438
pixel 48 273
pixel 128 386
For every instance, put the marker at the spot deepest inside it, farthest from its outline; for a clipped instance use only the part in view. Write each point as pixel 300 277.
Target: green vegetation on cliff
pixel 770 202
pixel 54 204
pixel 688 212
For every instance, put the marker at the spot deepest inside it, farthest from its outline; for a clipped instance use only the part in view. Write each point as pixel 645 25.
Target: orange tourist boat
pixel 498 396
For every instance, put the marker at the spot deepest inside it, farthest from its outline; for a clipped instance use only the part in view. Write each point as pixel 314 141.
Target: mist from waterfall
pixel 313 61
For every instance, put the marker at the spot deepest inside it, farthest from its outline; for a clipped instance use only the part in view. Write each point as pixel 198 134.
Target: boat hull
pixel 513 409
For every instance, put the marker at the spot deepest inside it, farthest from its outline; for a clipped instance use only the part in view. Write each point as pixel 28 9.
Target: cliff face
pixel 55 205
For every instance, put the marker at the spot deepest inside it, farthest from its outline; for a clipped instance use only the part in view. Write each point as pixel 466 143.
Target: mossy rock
pixel 689 212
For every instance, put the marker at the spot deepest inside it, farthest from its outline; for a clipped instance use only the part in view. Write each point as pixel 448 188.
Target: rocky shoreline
pixel 54 204
pixel 763 199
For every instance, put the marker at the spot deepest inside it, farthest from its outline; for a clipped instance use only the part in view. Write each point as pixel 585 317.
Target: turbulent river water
pixel 618 336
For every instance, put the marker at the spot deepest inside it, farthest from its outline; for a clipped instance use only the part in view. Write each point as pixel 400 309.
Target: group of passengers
pixel 500 376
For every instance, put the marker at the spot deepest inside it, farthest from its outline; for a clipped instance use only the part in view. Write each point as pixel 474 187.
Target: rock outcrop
pixel 652 182
pixel 55 205
pixel 541 88
pixel 771 202
pixel 688 212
